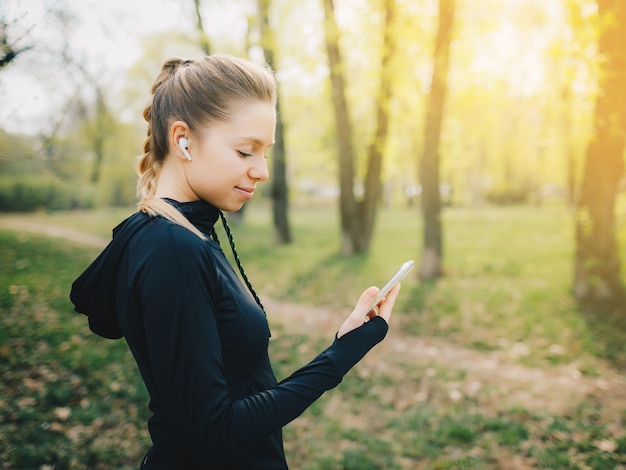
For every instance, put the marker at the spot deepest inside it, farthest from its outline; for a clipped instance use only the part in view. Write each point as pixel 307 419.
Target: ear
pixel 178 130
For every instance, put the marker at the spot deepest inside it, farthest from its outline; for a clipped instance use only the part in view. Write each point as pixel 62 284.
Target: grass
pixel 507 282
pixel 69 399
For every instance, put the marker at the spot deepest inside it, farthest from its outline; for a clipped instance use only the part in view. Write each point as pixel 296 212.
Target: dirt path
pixel 52 231
pixel 555 389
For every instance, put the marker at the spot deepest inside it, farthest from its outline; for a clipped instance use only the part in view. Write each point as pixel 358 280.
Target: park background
pixel 482 138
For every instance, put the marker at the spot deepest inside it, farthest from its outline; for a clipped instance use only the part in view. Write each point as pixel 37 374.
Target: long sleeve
pixel 286 401
pixel 190 350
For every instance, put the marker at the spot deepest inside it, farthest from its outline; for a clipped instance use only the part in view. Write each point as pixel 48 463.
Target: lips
pixel 247 193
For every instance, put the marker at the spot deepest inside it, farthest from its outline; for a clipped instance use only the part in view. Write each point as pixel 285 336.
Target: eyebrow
pixel 257 141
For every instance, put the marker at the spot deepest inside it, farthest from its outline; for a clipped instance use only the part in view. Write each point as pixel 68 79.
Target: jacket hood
pixel 93 293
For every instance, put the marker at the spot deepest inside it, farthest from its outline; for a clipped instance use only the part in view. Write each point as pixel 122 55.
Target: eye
pixel 244 154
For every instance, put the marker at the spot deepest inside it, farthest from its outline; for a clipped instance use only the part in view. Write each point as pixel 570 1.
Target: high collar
pixel 200 213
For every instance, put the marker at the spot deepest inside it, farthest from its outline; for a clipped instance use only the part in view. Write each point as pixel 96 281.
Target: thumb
pixel 368 296
pixel 359 314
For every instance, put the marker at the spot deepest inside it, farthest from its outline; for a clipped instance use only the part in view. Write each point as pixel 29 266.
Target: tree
pixel 572 59
pixel 347 206
pixel 205 42
pixel 58 56
pixel 280 189
pixel 98 128
pixel 9 49
pixel 431 261
pixel 357 217
pixel 597 263
pixel 368 208
pixel 99 131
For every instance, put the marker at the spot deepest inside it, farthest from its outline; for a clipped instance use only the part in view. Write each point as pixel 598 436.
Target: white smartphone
pixel 397 277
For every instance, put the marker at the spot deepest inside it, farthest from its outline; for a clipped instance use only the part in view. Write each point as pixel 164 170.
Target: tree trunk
pixel 570 155
pixel 376 149
pixel 100 134
pixel 280 189
pixel 347 204
pixel 205 43
pixel 597 275
pixel 431 262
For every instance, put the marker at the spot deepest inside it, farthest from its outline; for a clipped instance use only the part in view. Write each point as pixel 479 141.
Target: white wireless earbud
pixel 184 143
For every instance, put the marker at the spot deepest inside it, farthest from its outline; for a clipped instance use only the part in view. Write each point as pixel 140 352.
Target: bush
pixel 31 193
pixel 117 191
pixel 509 195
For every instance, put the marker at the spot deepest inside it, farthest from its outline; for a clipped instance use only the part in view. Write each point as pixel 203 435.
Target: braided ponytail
pixel 150 163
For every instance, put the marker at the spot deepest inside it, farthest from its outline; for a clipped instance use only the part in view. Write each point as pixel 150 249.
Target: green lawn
pixel 71 400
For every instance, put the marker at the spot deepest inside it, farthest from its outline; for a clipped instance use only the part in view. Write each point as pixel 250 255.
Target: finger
pixel 386 306
pixel 359 314
pixel 373 312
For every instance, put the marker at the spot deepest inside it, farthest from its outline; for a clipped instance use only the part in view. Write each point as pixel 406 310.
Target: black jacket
pixel 201 345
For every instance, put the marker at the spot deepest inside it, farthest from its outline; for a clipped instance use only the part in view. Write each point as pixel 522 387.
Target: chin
pixel 231 207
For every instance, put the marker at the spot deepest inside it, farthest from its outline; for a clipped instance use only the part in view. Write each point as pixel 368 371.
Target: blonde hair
pixel 197 92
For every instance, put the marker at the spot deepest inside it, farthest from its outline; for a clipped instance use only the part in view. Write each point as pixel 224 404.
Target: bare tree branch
pixel 9 51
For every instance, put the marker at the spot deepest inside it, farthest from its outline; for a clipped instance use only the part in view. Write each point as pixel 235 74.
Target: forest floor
pixel 554 388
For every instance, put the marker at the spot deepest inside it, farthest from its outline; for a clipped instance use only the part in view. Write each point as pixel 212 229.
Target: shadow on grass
pixel 417 298
pixel 334 266
pixel 607 322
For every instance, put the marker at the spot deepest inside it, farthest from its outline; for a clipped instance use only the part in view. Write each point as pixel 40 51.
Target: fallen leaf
pixel 606 445
pixel 33 384
pixel 57 427
pixel 62 413
pixel 26 402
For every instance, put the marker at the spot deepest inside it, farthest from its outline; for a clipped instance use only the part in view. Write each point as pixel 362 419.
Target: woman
pixel 199 339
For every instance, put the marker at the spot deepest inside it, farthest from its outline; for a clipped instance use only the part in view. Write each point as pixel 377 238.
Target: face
pixel 229 157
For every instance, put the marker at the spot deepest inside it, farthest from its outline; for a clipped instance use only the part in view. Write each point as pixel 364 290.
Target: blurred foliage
pixel 30 193
pixel 520 71
pixel 54 174
pixel 506 195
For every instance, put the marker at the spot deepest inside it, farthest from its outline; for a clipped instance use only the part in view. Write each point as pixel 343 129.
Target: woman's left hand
pixel 360 314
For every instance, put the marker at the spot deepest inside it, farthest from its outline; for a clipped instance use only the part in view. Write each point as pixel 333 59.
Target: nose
pixel 258 170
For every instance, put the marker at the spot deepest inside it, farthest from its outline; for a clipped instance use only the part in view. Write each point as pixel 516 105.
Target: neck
pixel 172 182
